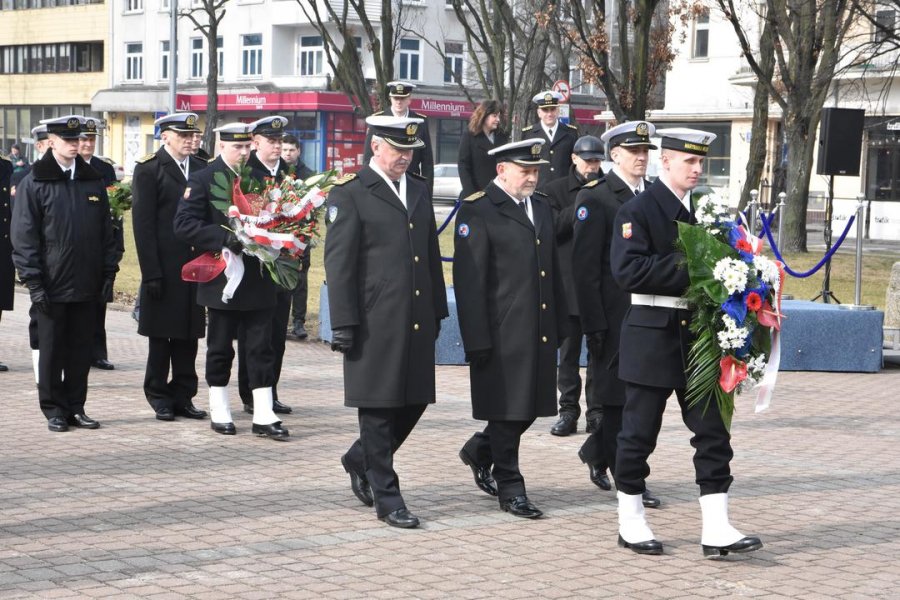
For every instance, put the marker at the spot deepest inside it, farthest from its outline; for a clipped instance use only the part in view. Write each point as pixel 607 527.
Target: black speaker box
pixel 840 141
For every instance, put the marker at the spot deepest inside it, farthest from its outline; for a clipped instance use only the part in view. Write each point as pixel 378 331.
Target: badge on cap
pixel 548 98
pixel 277 124
pixel 190 121
pixel 398 88
pixel 582 213
pixel 626 231
pixel 642 129
pixel 411 129
pixel 536 150
pixel 73 123
pixel 463 230
pixel 332 213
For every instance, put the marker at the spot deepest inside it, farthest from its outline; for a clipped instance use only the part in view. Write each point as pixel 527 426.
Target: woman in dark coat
pixel 476 167
pixel 7 270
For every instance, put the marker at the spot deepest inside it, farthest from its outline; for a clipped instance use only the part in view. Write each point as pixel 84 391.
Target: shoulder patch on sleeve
pixel 582 213
pixel 591 183
pixel 145 158
pixel 345 179
pixel 473 197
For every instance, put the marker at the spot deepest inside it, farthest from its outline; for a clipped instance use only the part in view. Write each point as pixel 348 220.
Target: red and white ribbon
pixel 234 273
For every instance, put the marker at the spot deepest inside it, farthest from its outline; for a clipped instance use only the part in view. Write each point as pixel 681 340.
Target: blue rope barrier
pixel 447 222
pixel 766 222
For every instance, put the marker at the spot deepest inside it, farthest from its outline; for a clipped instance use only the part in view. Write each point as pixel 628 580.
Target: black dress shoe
pixel 57 424
pixel 401 518
pixel 593 425
pixel 102 363
pixel 281 409
pixel 567 425
pixel 165 414
pixel 599 477
pixel 648 547
pixel 272 430
pixel 223 428
pixel 3 368
pixel 248 408
pixel 83 421
pixel 649 501
pixel 483 478
pixel 300 331
pixel 745 544
pixel 189 411
pixel 520 507
pixel 358 483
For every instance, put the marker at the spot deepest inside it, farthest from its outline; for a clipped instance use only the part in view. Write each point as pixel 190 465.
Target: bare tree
pixel 625 46
pixel 206 17
pixel 344 23
pixel 760 126
pixel 807 39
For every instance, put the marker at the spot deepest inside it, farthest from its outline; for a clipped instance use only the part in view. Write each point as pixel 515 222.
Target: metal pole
pixel 860 226
pixel 754 207
pixel 173 54
pixel 781 203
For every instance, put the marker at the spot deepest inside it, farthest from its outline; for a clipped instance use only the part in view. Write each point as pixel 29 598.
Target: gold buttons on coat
pixel 416 327
pixel 544 306
pixel 416 258
pixel 417 292
pixel 544 338
pixel 539 241
pixel 411 226
pixel 683 323
pixel 543 273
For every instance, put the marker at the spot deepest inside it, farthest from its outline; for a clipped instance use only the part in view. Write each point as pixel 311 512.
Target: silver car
pixel 447 185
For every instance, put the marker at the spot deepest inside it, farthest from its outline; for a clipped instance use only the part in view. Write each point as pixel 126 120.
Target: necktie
pixel 523 207
pixel 550 135
pixel 396 186
pixel 183 168
pixel 68 173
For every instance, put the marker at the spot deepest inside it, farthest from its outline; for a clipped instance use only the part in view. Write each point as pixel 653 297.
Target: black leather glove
pixel 106 292
pixel 39 299
pixel 478 358
pixel 437 328
pixel 154 288
pixel 342 339
pixel 233 243
pixel 595 342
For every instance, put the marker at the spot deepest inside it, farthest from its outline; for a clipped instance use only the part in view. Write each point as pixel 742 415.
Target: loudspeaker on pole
pixel 840 141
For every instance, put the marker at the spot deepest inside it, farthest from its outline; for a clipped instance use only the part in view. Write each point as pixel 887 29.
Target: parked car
pixel 447 185
pixel 119 169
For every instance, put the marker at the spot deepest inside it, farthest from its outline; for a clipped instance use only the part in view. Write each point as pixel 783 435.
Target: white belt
pixel 662 301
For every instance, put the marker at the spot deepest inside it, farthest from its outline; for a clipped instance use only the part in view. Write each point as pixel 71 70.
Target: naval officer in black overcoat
pixel 170 317
pixel 247 306
pixel 601 302
pixel 265 162
pixel 559 138
pixel 386 299
pixel 653 351
pixel 512 316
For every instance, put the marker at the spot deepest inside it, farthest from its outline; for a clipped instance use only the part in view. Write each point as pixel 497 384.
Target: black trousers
pixel 498 445
pixel 279 335
pixel 64 336
pixel 600 447
pixel 568 376
pixel 32 329
pixel 381 433
pixel 641 421
pixel 300 295
pixel 221 331
pixel 98 349
pixel 175 393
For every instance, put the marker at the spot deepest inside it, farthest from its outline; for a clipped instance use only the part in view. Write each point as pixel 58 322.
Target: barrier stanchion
pixel 782 196
pixel 860 232
pixel 754 211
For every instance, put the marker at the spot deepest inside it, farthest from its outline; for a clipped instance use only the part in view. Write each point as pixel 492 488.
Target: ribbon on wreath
pixel 234 273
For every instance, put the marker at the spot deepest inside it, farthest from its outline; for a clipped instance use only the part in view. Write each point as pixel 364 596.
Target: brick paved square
pixel 145 509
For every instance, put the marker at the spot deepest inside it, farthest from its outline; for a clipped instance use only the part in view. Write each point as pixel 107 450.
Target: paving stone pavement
pixel 148 509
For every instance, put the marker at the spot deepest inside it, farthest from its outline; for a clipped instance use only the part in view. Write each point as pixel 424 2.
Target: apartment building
pixel 53 57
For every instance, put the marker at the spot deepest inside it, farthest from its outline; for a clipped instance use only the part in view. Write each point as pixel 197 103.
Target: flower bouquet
pixel 736 295
pixel 119 195
pixel 274 221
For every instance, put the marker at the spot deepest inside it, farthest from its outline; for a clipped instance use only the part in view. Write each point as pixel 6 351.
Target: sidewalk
pixel 148 509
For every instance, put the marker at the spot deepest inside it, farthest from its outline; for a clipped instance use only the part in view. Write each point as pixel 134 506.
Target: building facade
pixel 53 57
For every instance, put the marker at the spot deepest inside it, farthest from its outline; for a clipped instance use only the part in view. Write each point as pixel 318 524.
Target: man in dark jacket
pixel 86 146
pixel 265 162
pixel 386 298
pixel 476 167
pixel 170 316
pixel 586 157
pixel 559 138
pixel 7 269
pixel 422 162
pixel 241 296
pixel 512 315
pixel 653 349
pixel 292 154
pixel 65 252
pixel 601 302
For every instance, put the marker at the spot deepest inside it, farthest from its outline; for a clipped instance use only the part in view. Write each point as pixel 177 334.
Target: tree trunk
pixel 798 129
pixel 212 86
pixel 759 129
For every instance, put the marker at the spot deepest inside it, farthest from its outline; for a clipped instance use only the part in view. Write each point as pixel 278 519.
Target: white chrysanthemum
pixel 757 366
pixel 731 337
pixel 732 273
pixel 768 270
